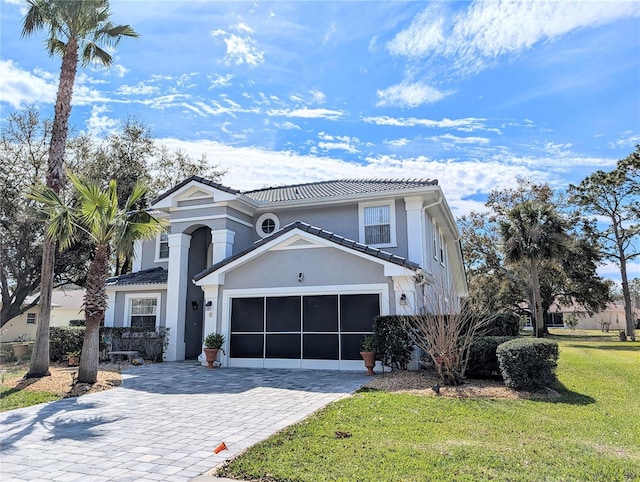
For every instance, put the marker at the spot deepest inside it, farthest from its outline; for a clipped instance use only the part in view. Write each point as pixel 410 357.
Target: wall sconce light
pixel 194 305
pixel 208 305
pixel 403 299
pixel 300 277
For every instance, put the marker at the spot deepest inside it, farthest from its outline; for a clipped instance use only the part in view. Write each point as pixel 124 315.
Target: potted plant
pixel 368 353
pixel 73 357
pixel 212 344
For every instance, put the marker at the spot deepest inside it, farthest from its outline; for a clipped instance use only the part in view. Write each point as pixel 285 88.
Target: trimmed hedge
pixel 393 344
pixel 483 361
pixel 528 363
pixel 63 340
pixel 504 324
pixel 150 345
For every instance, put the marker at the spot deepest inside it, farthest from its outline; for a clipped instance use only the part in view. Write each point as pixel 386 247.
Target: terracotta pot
pixel 369 358
pixel 74 361
pixel 211 354
pixel 20 350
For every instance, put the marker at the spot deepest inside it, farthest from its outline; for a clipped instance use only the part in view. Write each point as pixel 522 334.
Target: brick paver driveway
pixel 163 423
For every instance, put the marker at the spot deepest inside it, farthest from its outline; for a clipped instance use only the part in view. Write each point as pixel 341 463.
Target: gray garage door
pixel 317 327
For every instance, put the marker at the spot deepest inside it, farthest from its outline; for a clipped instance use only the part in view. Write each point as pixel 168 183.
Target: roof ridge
pixel 350 180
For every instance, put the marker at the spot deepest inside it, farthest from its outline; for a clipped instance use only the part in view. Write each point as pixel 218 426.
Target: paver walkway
pixel 163 423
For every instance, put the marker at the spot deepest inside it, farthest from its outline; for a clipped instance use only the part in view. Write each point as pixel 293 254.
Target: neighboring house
pixel 292 276
pixel 611 318
pixel 66 305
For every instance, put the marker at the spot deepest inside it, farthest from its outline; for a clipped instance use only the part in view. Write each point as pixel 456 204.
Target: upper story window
pixel 267 224
pixel 31 318
pixel 378 224
pixel 162 247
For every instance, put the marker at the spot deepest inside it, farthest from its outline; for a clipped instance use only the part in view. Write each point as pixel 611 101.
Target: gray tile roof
pixel 145 277
pixel 201 180
pixel 341 187
pixel 321 233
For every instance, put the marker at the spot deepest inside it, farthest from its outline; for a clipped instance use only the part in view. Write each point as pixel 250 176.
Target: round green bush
pixel 528 363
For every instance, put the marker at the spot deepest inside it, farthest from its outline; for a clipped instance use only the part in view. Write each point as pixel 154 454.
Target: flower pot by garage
pixel 369 358
pixel 211 354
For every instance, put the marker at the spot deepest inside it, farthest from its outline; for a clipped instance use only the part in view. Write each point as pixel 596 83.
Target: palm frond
pixel 62 221
pixel 34 19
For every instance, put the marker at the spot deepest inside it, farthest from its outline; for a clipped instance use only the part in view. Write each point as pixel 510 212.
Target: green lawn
pixel 592 432
pixel 12 398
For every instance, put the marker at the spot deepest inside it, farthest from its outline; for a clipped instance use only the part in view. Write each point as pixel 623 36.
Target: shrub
pixel 483 361
pixel 63 340
pixel 528 363
pixel 149 344
pixel 393 344
pixel 77 322
pixel 504 324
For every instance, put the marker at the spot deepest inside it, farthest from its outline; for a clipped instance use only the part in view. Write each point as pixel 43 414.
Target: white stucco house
pixel 292 276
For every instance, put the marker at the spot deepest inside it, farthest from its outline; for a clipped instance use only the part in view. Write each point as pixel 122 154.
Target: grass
pixel 12 398
pixel 590 433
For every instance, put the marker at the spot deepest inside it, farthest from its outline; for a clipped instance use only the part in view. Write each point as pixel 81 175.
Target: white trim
pixel 216 278
pixel 210 218
pixel 262 219
pixel 137 256
pixel 391 203
pixel 141 295
pixel 140 287
pixel 171 201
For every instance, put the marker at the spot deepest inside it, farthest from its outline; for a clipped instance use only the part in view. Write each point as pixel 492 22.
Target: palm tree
pixel 533 232
pixel 111 229
pixel 73 27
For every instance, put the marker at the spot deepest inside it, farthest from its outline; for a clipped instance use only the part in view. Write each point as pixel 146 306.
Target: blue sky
pixel 471 93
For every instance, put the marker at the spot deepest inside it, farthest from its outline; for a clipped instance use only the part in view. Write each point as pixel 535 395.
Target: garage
pixel 306 331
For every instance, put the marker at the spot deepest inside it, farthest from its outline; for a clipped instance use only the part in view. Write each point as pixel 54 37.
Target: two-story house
pixel 292 276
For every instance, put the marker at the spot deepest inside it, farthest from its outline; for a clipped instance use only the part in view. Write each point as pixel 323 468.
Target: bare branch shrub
pixel 446 331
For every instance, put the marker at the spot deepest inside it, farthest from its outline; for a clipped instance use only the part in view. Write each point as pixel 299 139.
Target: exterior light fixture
pixel 403 299
pixel 194 305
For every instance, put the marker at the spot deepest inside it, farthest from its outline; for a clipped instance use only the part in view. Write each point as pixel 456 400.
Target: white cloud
pixel 20 87
pixel 461 140
pixel 139 89
pixel 240 50
pixel 485 31
pixel 342 146
pixel 100 125
pixel 243 27
pixel 306 113
pixel 317 97
pixel 218 81
pixel 398 142
pixel 628 139
pixel 410 95
pixel 466 124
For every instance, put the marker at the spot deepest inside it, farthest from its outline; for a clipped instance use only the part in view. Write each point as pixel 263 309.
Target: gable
pixel 192 194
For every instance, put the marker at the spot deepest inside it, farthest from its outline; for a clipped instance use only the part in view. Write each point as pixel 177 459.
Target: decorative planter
pixel 445 360
pixel 20 350
pixel 211 354
pixel 369 358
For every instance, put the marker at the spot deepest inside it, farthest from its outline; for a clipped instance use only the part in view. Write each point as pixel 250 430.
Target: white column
pixel 405 285
pixel 222 240
pixel 176 294
pixel 415 229
pixel 211 324
pixel 137 256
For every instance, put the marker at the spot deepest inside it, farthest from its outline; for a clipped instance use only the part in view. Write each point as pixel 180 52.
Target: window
pixel 267 224
pixel 441 239
pixel 162 246
pixel 377 225
pixel 434 235
pixel 31 318
pixel 143 311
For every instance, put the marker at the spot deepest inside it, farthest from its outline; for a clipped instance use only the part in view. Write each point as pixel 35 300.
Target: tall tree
pixel 533 232
pixel 614 197
pixel 112 230
pixel 74 28
pixel 24 138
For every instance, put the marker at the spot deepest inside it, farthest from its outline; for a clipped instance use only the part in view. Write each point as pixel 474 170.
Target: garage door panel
pixel 285 346
pixel 320 347
pixel 320 313
pixel 247 314
pixel 350 346
pixel 247 346
pixel 358 311
pixel 283 313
